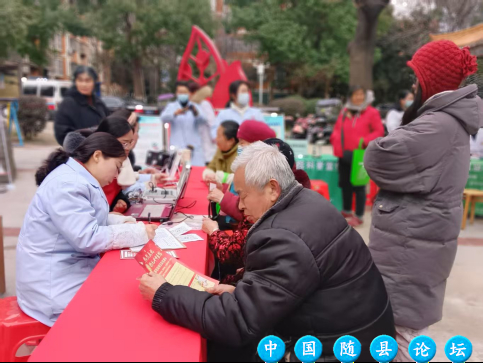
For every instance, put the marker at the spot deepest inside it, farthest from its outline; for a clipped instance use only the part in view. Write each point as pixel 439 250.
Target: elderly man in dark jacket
pixel 306 272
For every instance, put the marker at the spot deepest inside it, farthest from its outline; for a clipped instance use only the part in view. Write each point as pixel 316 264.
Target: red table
pixel 109 321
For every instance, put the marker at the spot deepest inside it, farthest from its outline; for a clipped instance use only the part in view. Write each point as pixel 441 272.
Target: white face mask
pixel 243 99
pixel 240 150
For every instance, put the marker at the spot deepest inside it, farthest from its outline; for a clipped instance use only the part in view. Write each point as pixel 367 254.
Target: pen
pixel 149 218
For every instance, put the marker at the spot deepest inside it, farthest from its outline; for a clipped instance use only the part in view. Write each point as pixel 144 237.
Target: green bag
pixel 359 176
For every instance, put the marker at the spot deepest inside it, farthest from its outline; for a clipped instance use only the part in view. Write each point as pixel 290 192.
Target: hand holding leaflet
pixel 155 260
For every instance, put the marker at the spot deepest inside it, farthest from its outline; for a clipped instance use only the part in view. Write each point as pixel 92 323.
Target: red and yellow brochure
pixel 154 259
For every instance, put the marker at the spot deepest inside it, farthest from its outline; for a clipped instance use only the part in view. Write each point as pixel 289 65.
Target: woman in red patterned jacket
pixel 229 247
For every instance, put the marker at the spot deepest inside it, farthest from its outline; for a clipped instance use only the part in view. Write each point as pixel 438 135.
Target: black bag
pixel 347 154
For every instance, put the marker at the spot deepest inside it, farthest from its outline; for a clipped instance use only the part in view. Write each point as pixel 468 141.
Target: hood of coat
pixel 464 105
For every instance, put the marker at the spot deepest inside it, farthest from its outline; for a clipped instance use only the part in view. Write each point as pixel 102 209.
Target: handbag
pixel 359 176
pixel 347 154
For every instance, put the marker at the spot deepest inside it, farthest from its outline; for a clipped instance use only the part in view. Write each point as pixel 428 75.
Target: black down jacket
pixel 75 113
pixel 307 273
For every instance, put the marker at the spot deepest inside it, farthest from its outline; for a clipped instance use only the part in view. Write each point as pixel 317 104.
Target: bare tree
pixel 453 15
pixel 361 49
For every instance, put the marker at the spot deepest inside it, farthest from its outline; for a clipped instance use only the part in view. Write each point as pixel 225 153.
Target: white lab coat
pixel 65 229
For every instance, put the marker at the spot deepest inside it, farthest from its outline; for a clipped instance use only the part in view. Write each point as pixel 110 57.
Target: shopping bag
pixel 359 176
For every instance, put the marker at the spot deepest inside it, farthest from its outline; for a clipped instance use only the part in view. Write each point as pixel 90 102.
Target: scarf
pixel 241 111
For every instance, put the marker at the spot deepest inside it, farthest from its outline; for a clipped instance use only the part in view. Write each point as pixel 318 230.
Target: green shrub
pixel 32 115
pixel 311 105
pixel 290 106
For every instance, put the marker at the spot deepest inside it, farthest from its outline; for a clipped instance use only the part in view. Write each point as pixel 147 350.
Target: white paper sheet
pixel 194 221
pixel 166 241
pixel 189 238
pixel 127 255
pixel 180 229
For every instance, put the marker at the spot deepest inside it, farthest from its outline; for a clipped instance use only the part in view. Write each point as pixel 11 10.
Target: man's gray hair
pixel 262 163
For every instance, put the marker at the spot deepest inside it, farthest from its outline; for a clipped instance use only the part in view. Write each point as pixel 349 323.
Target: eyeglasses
pixel 127 145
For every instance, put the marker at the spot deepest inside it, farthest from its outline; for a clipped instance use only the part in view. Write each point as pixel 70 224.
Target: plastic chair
pixel 321 187
pixel 471 197
pixel 17 329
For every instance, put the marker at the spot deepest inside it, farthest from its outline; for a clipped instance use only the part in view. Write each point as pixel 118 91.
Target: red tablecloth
pixel 108 319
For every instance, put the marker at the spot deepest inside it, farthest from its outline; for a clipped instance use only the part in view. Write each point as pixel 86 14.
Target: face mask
pixel 240 150
pixel 183 99
pixel 409 103
pixel 243 99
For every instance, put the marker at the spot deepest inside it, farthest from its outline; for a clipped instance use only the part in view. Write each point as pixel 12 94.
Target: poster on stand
pixel 277 124
pixel 150 138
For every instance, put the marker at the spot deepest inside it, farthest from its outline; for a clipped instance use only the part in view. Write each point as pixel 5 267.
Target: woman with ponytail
pixel 422 169
pixel 68 226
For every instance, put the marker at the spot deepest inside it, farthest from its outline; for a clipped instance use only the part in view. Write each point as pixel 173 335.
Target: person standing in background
pixel 422 170
pixel 476 145
pixel 357 121
pixel 80 109
pixel 185 119
pixel 395 115
pixel 238 109
pixel 200 97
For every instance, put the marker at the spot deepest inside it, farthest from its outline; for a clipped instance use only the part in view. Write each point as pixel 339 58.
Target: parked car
pixel 115 103
pixel 329 109
pixel 52 91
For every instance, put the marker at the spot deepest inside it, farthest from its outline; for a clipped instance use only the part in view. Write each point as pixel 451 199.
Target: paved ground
pixel 463 311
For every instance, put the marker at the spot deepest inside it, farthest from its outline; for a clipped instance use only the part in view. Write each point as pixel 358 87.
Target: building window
pixel 58 42
pixel 58 66
pixel 74 46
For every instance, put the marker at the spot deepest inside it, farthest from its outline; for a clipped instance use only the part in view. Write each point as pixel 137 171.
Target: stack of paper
pixel 172 239
pixel 180 230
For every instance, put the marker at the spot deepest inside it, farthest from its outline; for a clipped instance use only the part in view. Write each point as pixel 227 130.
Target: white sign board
pixel 150 138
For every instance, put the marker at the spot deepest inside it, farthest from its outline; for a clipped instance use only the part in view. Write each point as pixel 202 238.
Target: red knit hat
pixel 253 131
pixel 442 66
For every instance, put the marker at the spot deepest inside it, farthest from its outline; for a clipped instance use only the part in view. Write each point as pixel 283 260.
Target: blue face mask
pixel 243 99
pixel 183 98
pixel 240 150
pixel 409 103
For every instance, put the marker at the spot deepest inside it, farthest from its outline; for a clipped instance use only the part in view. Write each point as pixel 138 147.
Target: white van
pixel 52 91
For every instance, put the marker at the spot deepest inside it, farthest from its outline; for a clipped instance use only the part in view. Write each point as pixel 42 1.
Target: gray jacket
pixel 422 170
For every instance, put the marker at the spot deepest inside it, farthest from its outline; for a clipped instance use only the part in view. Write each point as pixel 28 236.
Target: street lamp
pixel 261 73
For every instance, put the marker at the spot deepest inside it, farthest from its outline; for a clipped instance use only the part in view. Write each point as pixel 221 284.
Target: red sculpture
pixel 227 73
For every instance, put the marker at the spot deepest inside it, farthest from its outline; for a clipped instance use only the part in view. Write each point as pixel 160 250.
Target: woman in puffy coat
pixel 358 121
pixel 81 108
pixel 422 169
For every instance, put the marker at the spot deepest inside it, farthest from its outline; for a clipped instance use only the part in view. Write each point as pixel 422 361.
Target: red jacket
pixel 367 126
pixel 111 191
pixel 229 204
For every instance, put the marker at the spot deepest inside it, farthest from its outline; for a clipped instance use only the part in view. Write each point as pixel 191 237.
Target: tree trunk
pixel 138 78
pixel 327 87
pixel 107 55
pixel 361 49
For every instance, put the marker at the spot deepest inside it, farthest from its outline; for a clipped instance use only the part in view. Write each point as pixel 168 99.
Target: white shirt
pixel 394 120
